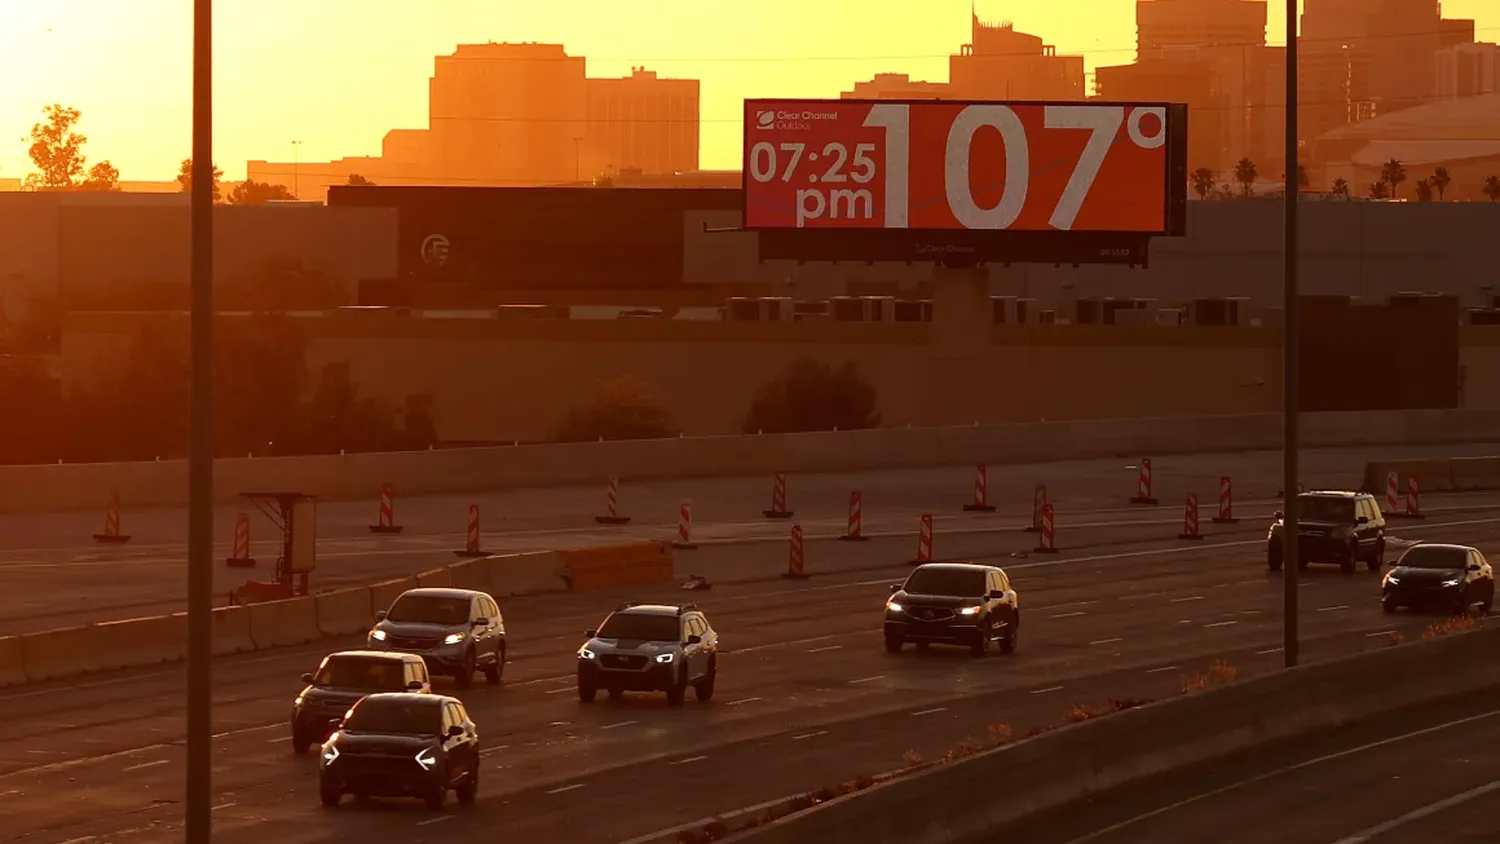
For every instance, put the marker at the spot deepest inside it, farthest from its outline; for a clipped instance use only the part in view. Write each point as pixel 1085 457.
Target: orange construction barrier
pixel 981 503
pixel 241 558
pixel 386 519
pixel 685 527
pixel 924 542
pixel 778 498
pixel 1038 501
pixel 1047 540
pixel 471 540
pixel 1143 485
pixel 612 505
pixel 794 562
pixel 856 520
pixel 111 532
pixel 1226 503
pixel 1190 519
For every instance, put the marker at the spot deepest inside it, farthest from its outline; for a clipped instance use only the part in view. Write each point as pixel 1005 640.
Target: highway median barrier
pixel 1441 475
pixel 1055 769
pixel 65 652
pixel 12 665
pixel 136 642
pixel 529 573
pixel 470 574
pixel 385 593
pixel 609 567
pixel 231 631
pixel 278 624
pixel 344 612
pixel 439 578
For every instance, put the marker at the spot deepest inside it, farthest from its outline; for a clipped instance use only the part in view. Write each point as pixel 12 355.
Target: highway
pixel 806 698
pixel 52 574
pixel 1420 777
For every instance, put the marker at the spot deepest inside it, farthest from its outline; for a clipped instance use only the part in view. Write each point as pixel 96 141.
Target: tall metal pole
pixel 1289 352
pixel 199 798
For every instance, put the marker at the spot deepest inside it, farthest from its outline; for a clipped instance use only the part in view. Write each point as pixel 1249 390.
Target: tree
pixel 56 150
pixel 1304 181
pixel 1441 179
pixel 1378 190
pixel 1246 173
pixel 251 192
pixel 810 395
pixel 1492 188
pixel 356 179
pixel 1424 190
pixel 1203 180
pixel 185 179
pixel 624 410
pixel 1393 173
pixel 1341 188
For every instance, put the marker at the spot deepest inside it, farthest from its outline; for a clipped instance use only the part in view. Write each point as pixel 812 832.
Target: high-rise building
pixel 641 122
pixel 1468 70
pixel 1191 82
pixel 1000 63
pixel 1211 27
pixel 897 86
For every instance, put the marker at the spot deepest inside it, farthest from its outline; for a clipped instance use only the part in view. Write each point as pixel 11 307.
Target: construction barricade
pixel 855 530
pixel 112 532
pixel 1190 519
pixel 924 541
pixel 684 540
pixel 1143 485
pixel 240 558
pixel 471 536
pixel 1226 503
pixel 1046 535
pixel 1038 501
pixel 612 505
pixel 779 509
pixel 385 518
pixel 796 562
pixel 981 502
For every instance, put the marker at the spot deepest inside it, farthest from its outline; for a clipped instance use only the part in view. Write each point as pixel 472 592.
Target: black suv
pixel 650 648
pixel 1332 527
pixel 402 745
pixel 456 631
pixel 341 680
pixel 953 604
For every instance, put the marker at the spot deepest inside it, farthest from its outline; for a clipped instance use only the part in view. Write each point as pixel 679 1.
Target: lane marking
pixel 1342 754
pixel 931 711
pixel 495 749
pixel 743 700
pixel 147 765
pixel 1106 641
pixel 1220 624
pixel 560 691
pixel 1379 633
pixel 1066 615
pixel 1046 690
pixel 618 724
pixel 810 735
pixel 688 760
pixel 438 819
pixel 566 788
pixel 13 792
pixel 1417 814
pixel 868 679
pixel 223 806
pixel 1332 609
pixel 1268 651
pixel 1185 600
pixel 81 840
pixel 1161 669
pixel 278 740
pixel 825 649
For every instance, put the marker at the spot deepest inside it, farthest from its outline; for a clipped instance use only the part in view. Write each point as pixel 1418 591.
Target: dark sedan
pixel 953 604
pixel 1450 577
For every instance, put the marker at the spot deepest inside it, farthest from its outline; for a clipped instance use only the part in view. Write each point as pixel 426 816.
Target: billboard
pixel 892 179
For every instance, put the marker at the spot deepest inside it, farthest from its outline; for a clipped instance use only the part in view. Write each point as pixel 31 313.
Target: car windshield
pixel 1435 557
pixel 359 672
pixel 1323 509
pixel 401 717
pixel 430 609
pixel 956 582
pixel 642 626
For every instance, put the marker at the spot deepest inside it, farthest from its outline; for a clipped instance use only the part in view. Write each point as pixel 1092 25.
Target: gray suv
pixel 650 648
pixel 456 631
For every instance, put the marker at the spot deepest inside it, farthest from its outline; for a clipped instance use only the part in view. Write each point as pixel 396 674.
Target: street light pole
pixel 296 169
pixel 199 798
pixel 1289 356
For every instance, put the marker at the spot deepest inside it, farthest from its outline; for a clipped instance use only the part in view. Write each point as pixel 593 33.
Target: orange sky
pixel 336 74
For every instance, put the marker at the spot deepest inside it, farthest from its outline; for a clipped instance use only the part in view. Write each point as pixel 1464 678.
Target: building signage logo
pixel 434 250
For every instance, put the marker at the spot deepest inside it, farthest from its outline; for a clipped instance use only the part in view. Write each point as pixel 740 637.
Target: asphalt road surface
pixel 806 698
pixel 52 574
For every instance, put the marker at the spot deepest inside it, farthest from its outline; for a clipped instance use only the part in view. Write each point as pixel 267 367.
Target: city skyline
pixel 335 89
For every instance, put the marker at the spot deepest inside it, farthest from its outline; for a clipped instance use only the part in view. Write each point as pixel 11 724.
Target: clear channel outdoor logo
pixel 434 250
pixel 784 120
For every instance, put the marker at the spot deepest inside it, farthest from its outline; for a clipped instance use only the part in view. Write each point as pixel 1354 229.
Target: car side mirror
pixel 695 640
pixel 380 615
pixel 1364 520
pixel 479 622
pixel 456 730
pixel 414 686
pixel 997 594
pixel 1278 514
pixel 895 587
pixel 307 678
pixel 1473 567
pixel 589 634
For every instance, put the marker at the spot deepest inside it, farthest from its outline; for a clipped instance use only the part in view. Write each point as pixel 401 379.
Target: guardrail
pixel 955 803
pixel 354 476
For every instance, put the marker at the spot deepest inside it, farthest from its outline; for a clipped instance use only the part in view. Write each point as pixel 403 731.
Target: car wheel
pixel 1008 644
pixel 469 789
pixel 704 689
pixel 300 742
pixel 330 796
pixel 465 676
pixel 678 692
pixel 1350 560
pixel 586 691
pixel 1377 559
pixel 1273 560
pixel 493 672
pixel 436 798
pixel 893 644
pixel 1389 605
pixel 981 646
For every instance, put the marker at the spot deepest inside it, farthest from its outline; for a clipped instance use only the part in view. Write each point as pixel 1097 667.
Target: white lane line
pixel 1417 814
pixel 1268 651
pixel 223 806
pixel 560 691
pixel 688 760
pixel 1379 633
pixel 742 700
pixel 278 740
pixel 1106 641
pixel 1185 600
pixel 931 711
pixel 1221 624
pixel 810 735
pixel 618 724
pixel 566 788
pixel 81 840
pixel 1066 615
pixel 1281 772
pixel 1046 690
pixel 496 749
pixel 867 679
pixel 825 649
pixel 1332 609
pixel 147 765
pixel 1161 669
pixel 13 792
pixel 438 819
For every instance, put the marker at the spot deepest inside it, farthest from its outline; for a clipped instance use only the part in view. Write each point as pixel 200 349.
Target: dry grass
pixel 1221 672
pixel 912 758
pixel 968 747
pixel 1195 682
pixel 999 734
pixel 1394 638
pixel 1083 712
pixel 1449 626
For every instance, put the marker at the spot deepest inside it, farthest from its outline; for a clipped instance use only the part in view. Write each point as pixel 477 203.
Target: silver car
pixel 650 648
pixel 456 631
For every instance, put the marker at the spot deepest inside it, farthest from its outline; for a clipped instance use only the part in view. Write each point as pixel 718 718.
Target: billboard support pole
pixel 1291 566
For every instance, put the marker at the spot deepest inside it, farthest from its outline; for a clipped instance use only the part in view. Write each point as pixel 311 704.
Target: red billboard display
pixel 937 166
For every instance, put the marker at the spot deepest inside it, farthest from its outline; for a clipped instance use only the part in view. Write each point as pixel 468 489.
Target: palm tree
pixel 1246 173
pixel 1203 182
pixel 1441 180
pixel 1424 190
pixel 1341 188
pixel 1378 191
pixel 1492 188
pixel 1393 173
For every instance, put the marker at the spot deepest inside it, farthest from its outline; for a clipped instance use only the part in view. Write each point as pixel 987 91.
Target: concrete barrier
pixel 344 611
pixel 66 652
pixel 1473 473
pixel 955 803
pixel 435 579
pixel 470 574
pixel 231 631
pixel 613 566
pixel 1441 475
pixel 72 486
pixel 12 666
pixel 531 573
pixel 385 593
pixel 277 624
pixel 135 642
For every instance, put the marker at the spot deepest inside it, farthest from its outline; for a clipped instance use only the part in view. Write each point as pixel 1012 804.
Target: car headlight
pixel 377 635
pixel 1453 581
pixel 665 658
pixel 585 653
pixel 895 607
pixel 453 638
pixel 298 701
pixel 1392 580
pixel 969 611
pixel 330 753
pixel 426 759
